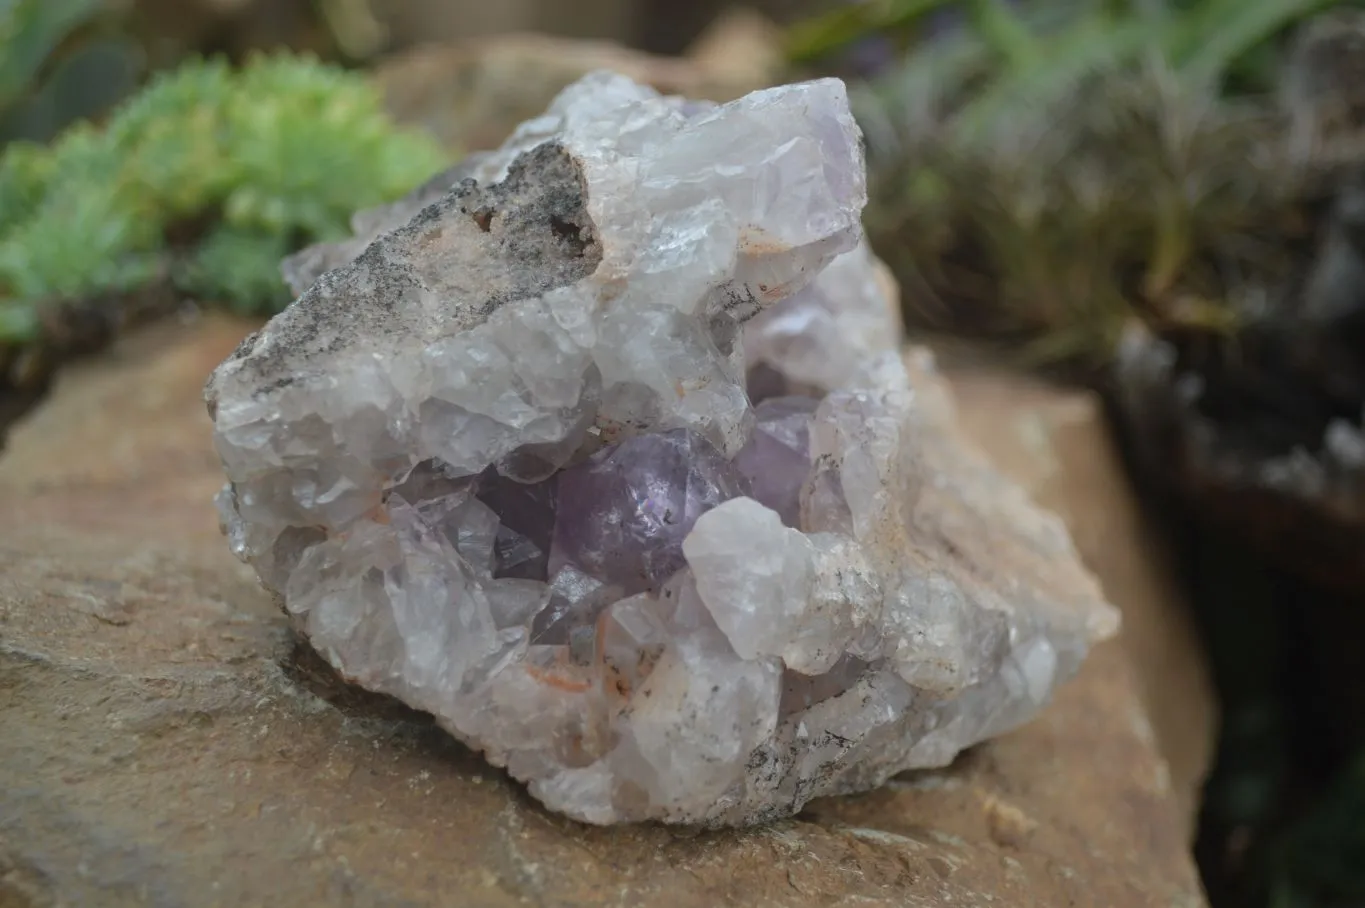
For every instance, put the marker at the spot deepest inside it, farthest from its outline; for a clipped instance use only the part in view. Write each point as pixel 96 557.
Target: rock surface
pixel 473 93
pixel 1056 443
pixel 578 316
pixel 167 742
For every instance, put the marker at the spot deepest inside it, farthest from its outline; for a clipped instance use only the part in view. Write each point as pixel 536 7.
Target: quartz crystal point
pixel 601 448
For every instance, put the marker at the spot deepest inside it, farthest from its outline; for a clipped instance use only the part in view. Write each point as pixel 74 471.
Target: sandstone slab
pixel 167 742
pixel 1055 442
pixel 471 94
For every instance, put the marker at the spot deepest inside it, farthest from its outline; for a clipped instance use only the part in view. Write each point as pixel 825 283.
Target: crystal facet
pixel 776 460
pixel 625 511
pixel 602 449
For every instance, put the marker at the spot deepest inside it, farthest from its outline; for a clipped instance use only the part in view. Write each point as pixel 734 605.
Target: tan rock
pixel 471 95
pixel 164 741
pixel 1056 444
pixel 413 21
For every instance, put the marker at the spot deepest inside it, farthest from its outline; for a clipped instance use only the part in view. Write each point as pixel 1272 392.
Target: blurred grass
pixel 1050 170
pixel 1200 38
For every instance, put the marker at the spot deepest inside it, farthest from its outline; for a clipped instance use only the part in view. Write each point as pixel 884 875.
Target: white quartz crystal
pixel 757 579
pixel 601 448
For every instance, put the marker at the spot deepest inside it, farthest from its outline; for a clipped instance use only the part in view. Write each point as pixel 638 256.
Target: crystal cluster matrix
pixel 602 449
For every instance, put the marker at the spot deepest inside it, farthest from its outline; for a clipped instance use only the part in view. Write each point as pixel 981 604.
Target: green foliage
pixel 1200 39
pixel 29 31
pixel 239 266
pixel 208 175
pixel 1050 170
pixel 812 40
pixel 1322 860
pixel 61 61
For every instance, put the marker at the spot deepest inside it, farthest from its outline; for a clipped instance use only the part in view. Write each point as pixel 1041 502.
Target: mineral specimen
pixel 601 449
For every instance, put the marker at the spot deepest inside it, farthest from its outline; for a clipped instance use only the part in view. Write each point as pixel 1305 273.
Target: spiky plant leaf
pixel 1212 35
pixel 29 30
pixel 812 39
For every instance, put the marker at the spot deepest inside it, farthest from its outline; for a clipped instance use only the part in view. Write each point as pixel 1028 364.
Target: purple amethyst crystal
pixel 776 460
pixel 623 514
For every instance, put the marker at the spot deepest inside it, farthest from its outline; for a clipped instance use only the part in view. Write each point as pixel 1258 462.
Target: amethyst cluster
pixel 602 449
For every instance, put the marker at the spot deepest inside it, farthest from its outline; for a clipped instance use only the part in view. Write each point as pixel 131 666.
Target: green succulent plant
pixel 203 179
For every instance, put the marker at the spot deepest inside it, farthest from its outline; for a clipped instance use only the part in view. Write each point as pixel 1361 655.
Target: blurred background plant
pixel 1048 170
pixel 59 63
